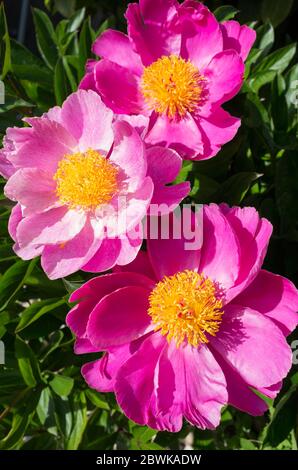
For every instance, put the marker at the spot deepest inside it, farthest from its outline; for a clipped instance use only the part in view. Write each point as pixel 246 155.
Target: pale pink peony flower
pixel 186 332
pixel 177 66
pixel 83 185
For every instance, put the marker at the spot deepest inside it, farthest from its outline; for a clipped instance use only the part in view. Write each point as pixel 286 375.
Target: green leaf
pixel 97 399
pixel 62 385
pixel 46 37
pixel 279 108
pixel 265 38
pixel 28 363
pixel 13 280
pixel 76 20
pixel 277 61
pixel 225 12
pixel 246 444
pixel 37 310
pixel 20 422
pixel 5 58
pixel 233 190
pixel 64 80
pixel 26 66
pixel 86 39
pixel 79 412
pixel 284 418
pixel 276 11
pixel 287 190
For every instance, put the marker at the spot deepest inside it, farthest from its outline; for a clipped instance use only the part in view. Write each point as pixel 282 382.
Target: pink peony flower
pixel 186 332
pixel 177 66
pixel 83 185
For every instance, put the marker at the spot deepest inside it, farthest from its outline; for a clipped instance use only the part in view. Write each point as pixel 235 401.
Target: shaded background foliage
pixel 44 402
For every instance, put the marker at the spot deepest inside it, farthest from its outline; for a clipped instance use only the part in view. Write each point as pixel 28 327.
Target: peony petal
pixel 201 34
pixel 105 257
pixel 220 257
pixel 126 98
pixel 183 136
pixel 116 47
pixel 275 297
pixel 149 28
pixel 89 121
pixel 117 320
pixel 33 188
pixel 54 226
pixel 60 260
pixel 242 343
pixel 15 218
pixel 225 75
pixel 238 37
pixel 179 236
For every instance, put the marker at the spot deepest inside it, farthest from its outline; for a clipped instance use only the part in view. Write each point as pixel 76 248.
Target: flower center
pixel 85 180
pixel 186 306
pixel 172 86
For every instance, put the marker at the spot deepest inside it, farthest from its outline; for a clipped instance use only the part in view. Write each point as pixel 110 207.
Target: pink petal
pixel 89 121
pixel 117 320
pixel 220 257
pixel 14 220
pixel 254 346
pixel 253 235
pixel 225 75
pixel 88 82
pixel 129 154
pixel 90 293
pixel 167 198
pixel 141 265
pixel 83 346
pixel 130 246
pixel 33 188
pixel 237 37
pixel 149 28
pixel 101 374
pixel 163 164
pixel 105 257
pixel 126 98
pixel 183 136
pixel 177 247
pixel 48 143
pixel 54 226
pixel 60 260
pixel 135 386
pixel 116 47
pixel 275 297
pixel 201 34
pixel 217 129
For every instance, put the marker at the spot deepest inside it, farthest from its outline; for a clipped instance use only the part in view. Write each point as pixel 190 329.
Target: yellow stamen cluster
pixel 185 307
pixel 85 180
pixel 172 86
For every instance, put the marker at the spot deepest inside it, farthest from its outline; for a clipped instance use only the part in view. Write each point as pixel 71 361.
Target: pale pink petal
pixel 47 145
pixel 116 47
pixel 167 198
pixel 15 218
pixel 238 37
pixel 129 154
pixel 253 345
pixel 89 121
pixel 33 188
pixel 130 245
pixel 117 320
pixel 54 226
pixel 60 260
pixel 275 297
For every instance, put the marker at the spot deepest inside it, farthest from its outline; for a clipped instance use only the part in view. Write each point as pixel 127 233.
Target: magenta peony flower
pixel 186 332
pixel 177 66
pixel 83 185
